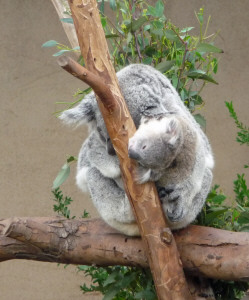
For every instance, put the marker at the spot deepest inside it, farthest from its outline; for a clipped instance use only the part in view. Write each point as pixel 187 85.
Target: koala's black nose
pixel 163 192
pixel 133 154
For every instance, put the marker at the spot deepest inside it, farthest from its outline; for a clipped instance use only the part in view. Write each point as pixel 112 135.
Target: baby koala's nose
pixel 133 153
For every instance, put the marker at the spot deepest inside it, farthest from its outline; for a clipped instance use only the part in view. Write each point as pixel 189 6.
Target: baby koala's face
pixel 156 142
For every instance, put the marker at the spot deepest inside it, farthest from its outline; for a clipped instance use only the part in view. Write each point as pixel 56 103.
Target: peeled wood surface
pixel 204 251
pixel 158 241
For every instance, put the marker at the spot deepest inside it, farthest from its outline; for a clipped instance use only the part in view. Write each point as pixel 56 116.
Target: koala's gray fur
pixel 147 93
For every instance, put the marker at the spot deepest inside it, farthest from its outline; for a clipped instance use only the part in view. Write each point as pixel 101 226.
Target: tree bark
pixel 158 240
pixel 205 251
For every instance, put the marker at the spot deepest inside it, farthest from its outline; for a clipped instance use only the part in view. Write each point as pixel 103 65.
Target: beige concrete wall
pixel 34 144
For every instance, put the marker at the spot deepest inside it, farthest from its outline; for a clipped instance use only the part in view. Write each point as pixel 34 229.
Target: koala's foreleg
pixel 181 208
pixel 111 202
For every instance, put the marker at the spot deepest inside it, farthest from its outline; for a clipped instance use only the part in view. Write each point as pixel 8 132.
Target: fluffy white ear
pixel 173 130
pixel 82 113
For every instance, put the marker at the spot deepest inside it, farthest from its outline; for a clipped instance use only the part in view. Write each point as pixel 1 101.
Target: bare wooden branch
pixel 158 240
pixel 205 252
pixel 94 81
pixel 60 7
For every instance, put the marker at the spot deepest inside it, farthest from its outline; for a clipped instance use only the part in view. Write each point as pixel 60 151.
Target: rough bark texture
pixel 205 252
pixel 158 241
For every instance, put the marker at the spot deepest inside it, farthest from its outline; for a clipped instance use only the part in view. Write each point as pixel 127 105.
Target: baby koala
pixel 171 152
pixel 155 145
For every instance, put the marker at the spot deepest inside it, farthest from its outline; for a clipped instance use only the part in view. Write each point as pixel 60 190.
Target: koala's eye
pixel 144 147
pixel 150 107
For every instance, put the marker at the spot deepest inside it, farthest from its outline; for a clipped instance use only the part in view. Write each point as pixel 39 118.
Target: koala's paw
pixel 142 174
pixel 172 201
pixel 110 170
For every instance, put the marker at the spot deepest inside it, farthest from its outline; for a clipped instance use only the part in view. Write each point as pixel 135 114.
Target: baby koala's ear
pixel 82 113
pixel 144 120
pixel 173 130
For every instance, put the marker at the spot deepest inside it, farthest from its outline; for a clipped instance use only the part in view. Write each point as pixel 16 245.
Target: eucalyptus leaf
pixel 158 24
pixel 147 27
pixel 158 32
pixel 151 11
pixel 199 74
pixel 164 66
pixel 170 35
pixel 60 52
pixel 197 99
pixel 244 228
pixel 215 214
pixel 113 4
pixel 110 36
pixel 205 47
pixel 129 37
pixel 50 43
pixel 219 199
pixel 62 176
pixel 145 294
pixel 103 21
pixel 135 25
pixel 200 120
pixel 111 278
pixel 71 158
pixel 102 6
pixel 147 60
pixel 67 20
pixel 159 8
pixel 243 218
pixel 184 30
pixel 111 293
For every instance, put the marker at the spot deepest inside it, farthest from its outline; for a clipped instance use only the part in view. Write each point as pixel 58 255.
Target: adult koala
pixel 147 93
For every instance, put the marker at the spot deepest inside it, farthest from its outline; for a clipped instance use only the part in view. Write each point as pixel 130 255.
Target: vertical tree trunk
pixel 158 240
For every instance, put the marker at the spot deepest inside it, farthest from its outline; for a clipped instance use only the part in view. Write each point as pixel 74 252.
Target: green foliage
pixel 62 48
pixel 62 204
pixel 79 95
pixel 120 282
pixel 217 214
pixel 229 290
pixel 243 134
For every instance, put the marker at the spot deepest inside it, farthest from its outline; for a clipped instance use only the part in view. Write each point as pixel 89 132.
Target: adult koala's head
pixel 144 90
